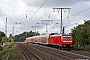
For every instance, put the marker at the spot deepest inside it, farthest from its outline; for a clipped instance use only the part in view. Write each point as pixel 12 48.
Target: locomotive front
pixel 66 41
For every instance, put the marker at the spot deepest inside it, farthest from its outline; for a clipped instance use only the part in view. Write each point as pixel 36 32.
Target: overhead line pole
pixel 13 34
pixel 35 28
pixel 6 29
pixel 13 31
pixel 46 22
pixel 58 9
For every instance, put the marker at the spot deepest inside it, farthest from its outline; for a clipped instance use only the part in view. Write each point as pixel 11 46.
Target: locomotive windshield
pixel 54 34
pixel 66 36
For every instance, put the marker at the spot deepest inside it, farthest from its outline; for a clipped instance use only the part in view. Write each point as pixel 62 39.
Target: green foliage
pixel 7 39
pixel 14 55
pixel 81 34
pixel 1 35
pixel 4 52
pixel 4 39
pixel 8 47
pixel 1 48
pixel 10 38
pixel 22 37
pixel 87 47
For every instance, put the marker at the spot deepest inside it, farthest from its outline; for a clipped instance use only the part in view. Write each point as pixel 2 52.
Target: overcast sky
pixel 17 10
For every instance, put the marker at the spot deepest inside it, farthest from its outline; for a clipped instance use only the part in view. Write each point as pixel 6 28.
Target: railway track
pixel 52 52
pixel 28 53
pixel 46 55
pixel 61 53
pixel 39 52
pixel 81 52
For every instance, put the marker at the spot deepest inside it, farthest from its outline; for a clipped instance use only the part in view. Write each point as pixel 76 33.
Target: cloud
pixel 81 9
pixel 51 3
pixel 2 25
pixel 2 12
pixel 16 11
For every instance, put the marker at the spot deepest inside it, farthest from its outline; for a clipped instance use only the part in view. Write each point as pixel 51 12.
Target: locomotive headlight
pixel 64 45
pixel 71 45
pixel 70 41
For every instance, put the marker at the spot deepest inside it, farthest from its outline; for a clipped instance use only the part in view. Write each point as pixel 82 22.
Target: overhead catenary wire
pixel 36 11
pixel 19 8
pixel 79 3
pixel 37 2
pixel 64 18
pixel 30 10
pixel 77 13
pixel 74 7
pixel 81 10
pixel 70 16
pixel 34 5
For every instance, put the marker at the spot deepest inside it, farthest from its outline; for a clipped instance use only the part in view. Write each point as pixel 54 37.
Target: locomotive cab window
pixel 54 34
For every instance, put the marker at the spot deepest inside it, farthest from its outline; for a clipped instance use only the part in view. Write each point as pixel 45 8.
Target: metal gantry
pixel 46 22
pixel 60 9
pixel 35 27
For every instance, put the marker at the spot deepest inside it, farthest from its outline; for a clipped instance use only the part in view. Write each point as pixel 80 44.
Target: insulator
pixel 26 15
pixel 64 10
pixel 58 10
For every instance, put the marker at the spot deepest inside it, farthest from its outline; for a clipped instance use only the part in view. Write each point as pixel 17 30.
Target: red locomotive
pixel 54 39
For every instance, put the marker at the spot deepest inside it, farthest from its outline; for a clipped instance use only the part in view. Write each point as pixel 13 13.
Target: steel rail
pixel 27 57
pixel 28 51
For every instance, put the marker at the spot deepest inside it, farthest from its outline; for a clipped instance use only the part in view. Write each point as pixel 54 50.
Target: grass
pixel 13 53
pixel 3 57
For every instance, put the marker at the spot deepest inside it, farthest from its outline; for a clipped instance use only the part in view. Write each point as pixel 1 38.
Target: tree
pixel 81 34
pixel 22 37
pixel 1 35
pixel 10 38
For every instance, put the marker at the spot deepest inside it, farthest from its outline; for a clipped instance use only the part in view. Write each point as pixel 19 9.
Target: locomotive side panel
pixel 28 39
pixel 32 40
pixel 54 39
pixel 43 40
pixel 36 38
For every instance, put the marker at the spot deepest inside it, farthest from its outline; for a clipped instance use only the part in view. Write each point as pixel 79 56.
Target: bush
pixel 2 53
pixel 1 48
pixel 14 55
pixel 87 47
